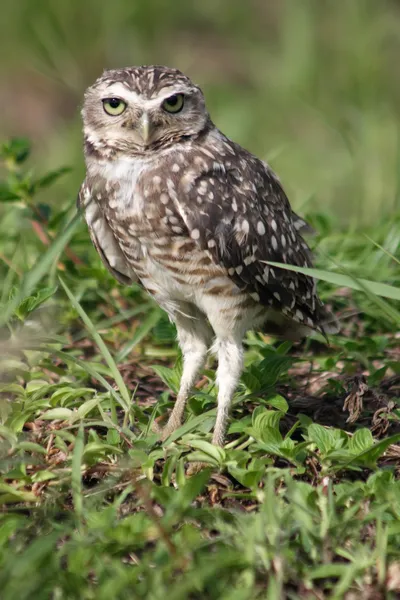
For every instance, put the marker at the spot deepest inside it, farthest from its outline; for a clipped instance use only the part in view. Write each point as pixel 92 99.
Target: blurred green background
pixel 311 86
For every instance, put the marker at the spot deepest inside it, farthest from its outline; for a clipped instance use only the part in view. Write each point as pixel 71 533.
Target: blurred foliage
pixel 308 85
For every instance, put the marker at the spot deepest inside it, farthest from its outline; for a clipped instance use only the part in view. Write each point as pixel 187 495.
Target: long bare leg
pixel 194 336
pixel 230 365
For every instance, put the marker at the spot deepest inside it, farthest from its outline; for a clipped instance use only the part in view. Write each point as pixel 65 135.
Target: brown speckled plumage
pixel 172 202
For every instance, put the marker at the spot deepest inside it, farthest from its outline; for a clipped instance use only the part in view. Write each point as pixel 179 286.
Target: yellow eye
pixel 174 104
pixel 114 106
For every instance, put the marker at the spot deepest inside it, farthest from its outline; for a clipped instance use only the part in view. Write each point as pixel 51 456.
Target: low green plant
pixel 303 500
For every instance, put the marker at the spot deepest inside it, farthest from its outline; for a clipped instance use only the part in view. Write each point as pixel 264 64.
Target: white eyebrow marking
pixel 120 90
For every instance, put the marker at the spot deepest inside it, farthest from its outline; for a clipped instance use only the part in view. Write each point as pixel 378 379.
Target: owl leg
pixel 230 365
pixel 194 336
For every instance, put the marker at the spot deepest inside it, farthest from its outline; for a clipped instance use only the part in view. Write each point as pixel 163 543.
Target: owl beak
pixel 145 128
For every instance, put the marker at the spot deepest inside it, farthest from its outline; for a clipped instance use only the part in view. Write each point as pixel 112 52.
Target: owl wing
pixel 103 238
pixel 243 220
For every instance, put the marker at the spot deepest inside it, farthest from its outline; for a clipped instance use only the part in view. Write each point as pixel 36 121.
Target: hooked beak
pixel 145 128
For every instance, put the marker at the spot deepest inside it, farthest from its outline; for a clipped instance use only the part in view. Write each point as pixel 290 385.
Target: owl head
pixel 141 109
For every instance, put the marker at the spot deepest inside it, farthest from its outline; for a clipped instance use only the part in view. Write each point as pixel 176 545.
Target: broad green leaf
pixel 100 447
pixel 214 452
pixel 12 388
pixel 202 457
pixel 7 194
pixel 266 419
pixel 371 455
pixel 328 570
pixel 30 447
pixel 59 414
pixel 138 457
pixel 251 382
pixel 171 377
pixel 29 304
pixel 248 478
pixel 10 494
pixel 65 393
pixel 37 385
pixel 323 437
pixel 361 441
pixel 15 150
pixel 44 475
pixel 86 407
pixel 278 402
pixel 7 434
pixel 272 367
pixel 113 437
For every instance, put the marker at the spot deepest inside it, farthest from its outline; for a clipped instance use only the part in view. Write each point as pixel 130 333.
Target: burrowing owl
pixel 173 203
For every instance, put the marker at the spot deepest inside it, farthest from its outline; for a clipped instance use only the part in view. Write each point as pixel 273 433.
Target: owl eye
pixel 114 106
pixel 174 104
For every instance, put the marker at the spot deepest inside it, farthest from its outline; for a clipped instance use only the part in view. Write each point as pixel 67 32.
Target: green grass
pixel 304 499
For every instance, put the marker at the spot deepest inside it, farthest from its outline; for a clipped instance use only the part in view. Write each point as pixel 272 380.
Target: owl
pixel 174 204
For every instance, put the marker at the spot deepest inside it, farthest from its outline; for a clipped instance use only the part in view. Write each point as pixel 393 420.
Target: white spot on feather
pixel 164 198
pixel 245 226
pixel 260 228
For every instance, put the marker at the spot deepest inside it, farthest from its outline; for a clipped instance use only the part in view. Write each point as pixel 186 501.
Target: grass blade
pixel 101 345
pixel 43 267
pixel 141 332
pixel 76 475
pixel 392 256
pixel 340 279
